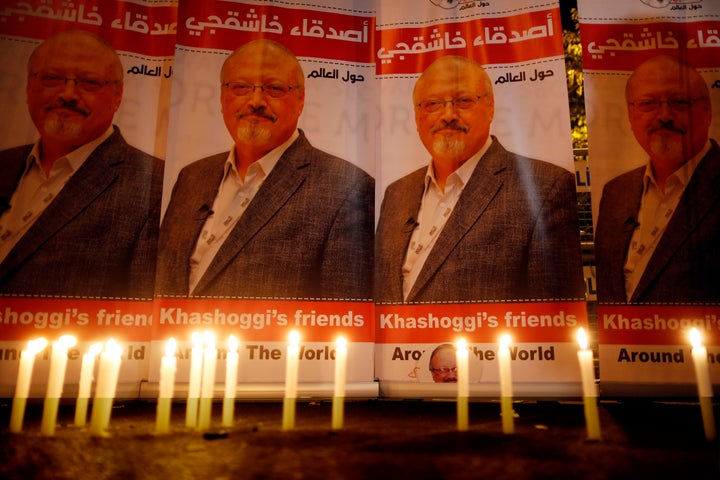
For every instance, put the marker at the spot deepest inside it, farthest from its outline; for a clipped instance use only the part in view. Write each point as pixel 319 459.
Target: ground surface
pixel 380 439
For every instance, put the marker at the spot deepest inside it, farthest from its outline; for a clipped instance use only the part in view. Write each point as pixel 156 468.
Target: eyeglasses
pixel 444 370
pixel 89 85
pixel 675 104
pixel 274 90
pixel 465 102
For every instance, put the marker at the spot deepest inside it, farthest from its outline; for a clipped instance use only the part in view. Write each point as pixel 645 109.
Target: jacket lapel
pixel 200 210
pixel 485 182
pixel 623 224
pixel 399 237
pixel 700 195
pixel 12 168
pixel 284 180
pixel 95 175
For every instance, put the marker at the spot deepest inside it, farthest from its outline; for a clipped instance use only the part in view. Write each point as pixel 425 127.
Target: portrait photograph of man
pixel 659 224
pixel 478 222
pixel 274 217
pixel 80 207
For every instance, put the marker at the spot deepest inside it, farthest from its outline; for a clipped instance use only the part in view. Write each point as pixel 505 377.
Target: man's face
pixel 670 133
pixel 451 133
pixel 257 119
pixel 68 113
pixel 444 366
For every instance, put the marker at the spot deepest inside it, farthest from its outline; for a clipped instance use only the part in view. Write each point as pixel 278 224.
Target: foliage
pixel 574 73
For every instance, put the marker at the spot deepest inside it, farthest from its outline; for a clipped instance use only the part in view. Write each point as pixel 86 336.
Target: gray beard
pixel 671 148
pixel 253 133
pixel 448 146
pixel 62 128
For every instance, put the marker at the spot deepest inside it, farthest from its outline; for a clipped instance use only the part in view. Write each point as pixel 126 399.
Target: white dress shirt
pixel 36 191
pixel 233 197
pixel 435 209
pixel 656 210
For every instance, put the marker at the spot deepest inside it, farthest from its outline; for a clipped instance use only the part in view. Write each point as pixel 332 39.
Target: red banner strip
pixel 480 322
pixel 265 320
pixel 88 320
pixel 513 39
pixel 128 26
pixel 657 325
pixel 310 33
pixel 625 46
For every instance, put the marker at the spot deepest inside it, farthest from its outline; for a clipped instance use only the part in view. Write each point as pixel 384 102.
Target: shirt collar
pixel 462 175
pixel 682 174
pixel 74 159
pixel 265 164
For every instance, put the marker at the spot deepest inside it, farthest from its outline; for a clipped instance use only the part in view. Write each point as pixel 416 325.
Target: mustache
pixel 256 112
pixel 452 124
pixel 67 105
pixel 668 126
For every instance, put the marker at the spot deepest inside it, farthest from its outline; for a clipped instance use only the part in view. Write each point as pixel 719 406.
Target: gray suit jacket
pixel 513 235
pixel 685 266
pixel 98 238
pixel 308 233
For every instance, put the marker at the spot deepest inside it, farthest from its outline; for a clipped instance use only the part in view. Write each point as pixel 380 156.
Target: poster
pixel 300 255
pixel 105 218
pixel 474 268
pixel 655 271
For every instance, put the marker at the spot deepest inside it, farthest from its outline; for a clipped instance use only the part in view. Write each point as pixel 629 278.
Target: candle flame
pixel 112 348
pixel 341 343
pixel 462 344
pixel 95 349
pixel 233 343
pixel 170 347
pixel 209 339
pixel 695 338
pixel 197 340
pixel 582 338
pixel 67 341
pixel 36 346
pixel 294 337
pixel 505 341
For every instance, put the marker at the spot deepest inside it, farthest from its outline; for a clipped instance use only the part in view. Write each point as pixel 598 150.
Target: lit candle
pixel 291 380
pixel 108 372
pixel 463 385
pixel 22 387
pixel 56 381
pixel 338 405
pixel 86 378
pixel 168 366
pixel 231 372
pixel 506 389
pixel 196 361
pixel 704 387
pixel 208 382
pixel 587 375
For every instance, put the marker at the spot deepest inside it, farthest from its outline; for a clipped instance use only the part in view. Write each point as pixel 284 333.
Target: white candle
pixel 231 372
pixel 168 367
pixel 196 361
pixel 56 381
pixel 506 389
pixel 108 373
pixel 340 383
pixel 291 380
pixel 704 386
pixel 587 376
pixel 85 385
pixel 463 384
pixel 22 386
pixel 166 389
pixel 208 382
